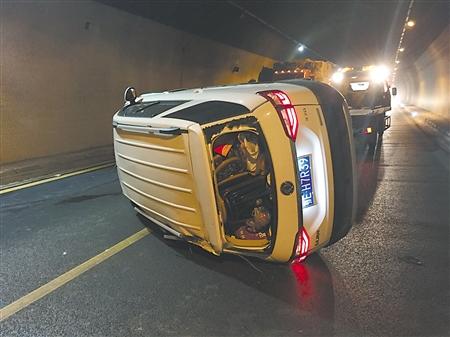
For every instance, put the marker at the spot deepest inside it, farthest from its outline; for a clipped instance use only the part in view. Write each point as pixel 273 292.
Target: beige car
pixel 264 170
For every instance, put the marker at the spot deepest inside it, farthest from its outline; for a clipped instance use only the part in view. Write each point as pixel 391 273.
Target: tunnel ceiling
pixel 344 32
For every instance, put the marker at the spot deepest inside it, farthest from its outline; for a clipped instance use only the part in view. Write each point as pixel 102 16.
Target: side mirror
pixel 130 95
pixel 394 91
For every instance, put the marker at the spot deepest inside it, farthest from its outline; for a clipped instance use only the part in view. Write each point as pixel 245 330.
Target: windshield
pixel 373 96
pixel 148 109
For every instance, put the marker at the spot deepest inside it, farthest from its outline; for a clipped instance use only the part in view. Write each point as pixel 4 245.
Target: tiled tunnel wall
pixel 426 83
pixel 65 66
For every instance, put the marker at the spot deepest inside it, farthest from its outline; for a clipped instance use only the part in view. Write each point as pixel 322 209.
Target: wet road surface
pixel 388 277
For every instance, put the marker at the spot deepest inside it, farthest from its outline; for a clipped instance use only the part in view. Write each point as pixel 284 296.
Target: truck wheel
pixel 381 125
pixel 372 142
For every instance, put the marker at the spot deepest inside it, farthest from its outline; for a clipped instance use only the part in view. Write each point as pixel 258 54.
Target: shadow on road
pixel 307 286
pixel 368 175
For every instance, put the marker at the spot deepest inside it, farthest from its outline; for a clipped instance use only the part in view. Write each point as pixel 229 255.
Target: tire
pixel 380 126
pixel 340 134
pixel 372 142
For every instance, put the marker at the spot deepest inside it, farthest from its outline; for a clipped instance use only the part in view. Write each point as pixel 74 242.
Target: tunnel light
pixel 411 23
pixel 401 50
pixel 397 61
pixel 301 48
pixel 379 73
pixel 337 77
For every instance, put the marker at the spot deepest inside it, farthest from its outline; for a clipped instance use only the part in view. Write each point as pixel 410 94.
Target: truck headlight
pixel 337 77
pixel 379 73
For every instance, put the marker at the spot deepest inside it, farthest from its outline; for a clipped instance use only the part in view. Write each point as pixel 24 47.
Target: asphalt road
pixel 388 277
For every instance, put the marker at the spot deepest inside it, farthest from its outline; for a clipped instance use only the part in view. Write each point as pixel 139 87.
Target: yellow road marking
pixel 56 177
pixel 51 286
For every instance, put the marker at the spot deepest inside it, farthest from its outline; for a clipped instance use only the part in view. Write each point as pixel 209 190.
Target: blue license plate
pixel 306 182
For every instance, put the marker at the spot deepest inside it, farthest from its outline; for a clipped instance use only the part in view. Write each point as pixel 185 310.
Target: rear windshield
pixel 210 111
pixel 148 109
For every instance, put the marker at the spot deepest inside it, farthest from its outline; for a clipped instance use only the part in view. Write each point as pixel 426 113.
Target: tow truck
pixel 368 95
pixel 308 69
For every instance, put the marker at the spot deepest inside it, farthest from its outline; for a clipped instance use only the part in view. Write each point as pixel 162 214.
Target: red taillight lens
pixel 286 110
pixel 301 249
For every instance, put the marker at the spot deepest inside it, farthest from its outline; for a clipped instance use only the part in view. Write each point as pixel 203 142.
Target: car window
pixel 210 111
pixel 148 109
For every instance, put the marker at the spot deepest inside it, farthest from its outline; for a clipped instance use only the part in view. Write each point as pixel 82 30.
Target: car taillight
pixel 285 109
pixel 302 246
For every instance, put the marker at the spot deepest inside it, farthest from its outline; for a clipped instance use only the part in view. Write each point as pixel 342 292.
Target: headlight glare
pixel 337 77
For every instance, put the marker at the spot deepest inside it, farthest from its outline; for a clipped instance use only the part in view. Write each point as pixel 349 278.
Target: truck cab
pixel 368 95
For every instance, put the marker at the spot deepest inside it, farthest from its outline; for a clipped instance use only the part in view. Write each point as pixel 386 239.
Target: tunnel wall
pixel 64 67
pixel 426 83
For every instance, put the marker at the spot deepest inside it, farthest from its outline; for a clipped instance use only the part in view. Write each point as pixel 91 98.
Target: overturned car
pixel 264 170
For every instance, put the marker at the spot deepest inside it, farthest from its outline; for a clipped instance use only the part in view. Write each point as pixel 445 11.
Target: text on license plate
pixel 306 183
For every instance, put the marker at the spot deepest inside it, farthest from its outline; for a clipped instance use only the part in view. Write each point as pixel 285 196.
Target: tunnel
pixel 224 168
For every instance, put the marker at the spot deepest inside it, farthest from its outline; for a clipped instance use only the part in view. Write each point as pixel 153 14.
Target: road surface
pixel 388 277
